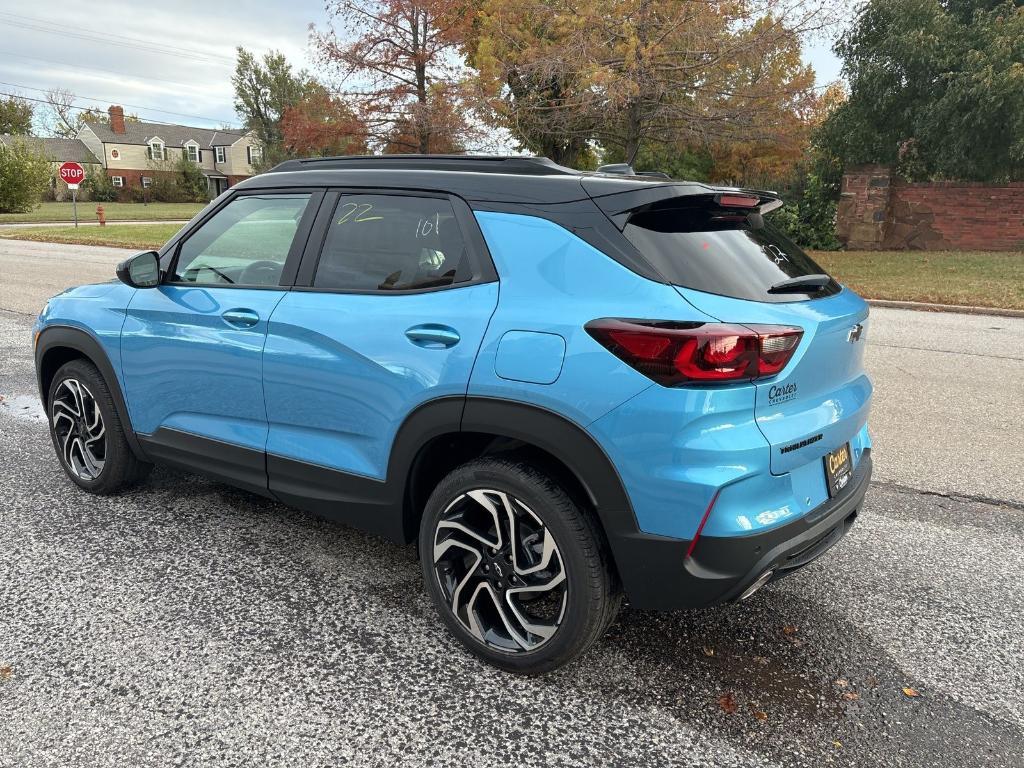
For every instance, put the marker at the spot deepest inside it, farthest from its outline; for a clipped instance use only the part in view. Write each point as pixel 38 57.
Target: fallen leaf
pixel 842 683
pixel 708 650
pixel 727 703
pixel 6 672
pixel 837 744
pixel 872 681
pixel 790 629
pixel 762 716
pixel 761 659
pixel 910 693
pixel 851 696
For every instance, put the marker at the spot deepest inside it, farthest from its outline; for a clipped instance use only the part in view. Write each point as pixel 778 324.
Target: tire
pixel 87 433
pixel 546 540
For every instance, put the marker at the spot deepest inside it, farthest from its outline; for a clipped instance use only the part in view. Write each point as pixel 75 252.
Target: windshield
pixel 696 244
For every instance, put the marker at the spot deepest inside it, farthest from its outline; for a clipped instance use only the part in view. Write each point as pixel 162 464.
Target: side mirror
pixel 140 271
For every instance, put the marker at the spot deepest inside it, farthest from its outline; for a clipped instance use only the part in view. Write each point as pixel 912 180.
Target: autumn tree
pixel 626 72
pixel 450 131
pixel 398 58
pixel 16 116
pixel 322 125
pixel 534 77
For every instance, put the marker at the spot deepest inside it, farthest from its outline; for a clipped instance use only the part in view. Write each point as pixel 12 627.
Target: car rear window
pixel 696 244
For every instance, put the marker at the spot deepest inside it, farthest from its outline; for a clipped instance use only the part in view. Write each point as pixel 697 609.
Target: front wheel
pixel 87 433
pixel 515 568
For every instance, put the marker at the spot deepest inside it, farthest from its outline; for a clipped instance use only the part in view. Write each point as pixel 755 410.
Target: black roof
pixel 531 166
pixel 477 178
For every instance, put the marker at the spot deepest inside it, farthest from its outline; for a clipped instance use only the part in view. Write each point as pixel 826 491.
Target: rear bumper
pixel 657 574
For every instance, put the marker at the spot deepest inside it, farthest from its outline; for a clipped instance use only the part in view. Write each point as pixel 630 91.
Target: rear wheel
pixel 87 433
pixel 515 568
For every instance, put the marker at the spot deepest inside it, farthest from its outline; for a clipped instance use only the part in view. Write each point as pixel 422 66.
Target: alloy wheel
pixel 79 429
pixel 500 570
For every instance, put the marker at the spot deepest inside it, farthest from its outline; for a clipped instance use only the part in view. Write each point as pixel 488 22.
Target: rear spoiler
pixel 618 206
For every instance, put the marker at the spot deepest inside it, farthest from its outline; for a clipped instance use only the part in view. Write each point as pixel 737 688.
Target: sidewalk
pixel 89 223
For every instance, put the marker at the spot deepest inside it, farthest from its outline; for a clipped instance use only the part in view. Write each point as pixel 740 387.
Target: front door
pixel 392 318
pixel 191 348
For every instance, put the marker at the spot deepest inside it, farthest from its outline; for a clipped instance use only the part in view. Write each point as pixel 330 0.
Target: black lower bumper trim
pixel 722 567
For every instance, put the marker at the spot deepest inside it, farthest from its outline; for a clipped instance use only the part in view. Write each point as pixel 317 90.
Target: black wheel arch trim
pixel 69 337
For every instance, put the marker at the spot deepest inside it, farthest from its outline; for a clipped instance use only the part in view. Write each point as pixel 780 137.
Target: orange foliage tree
pixel 398 60
pixel 322 125
pixel 626 72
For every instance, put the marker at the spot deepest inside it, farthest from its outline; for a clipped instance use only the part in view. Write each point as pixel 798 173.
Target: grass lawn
pixel 943 277
pixel 985 279
pixel 141 236
pixel 114 212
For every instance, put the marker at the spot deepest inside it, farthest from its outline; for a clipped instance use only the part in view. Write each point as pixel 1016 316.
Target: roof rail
pixel 531 166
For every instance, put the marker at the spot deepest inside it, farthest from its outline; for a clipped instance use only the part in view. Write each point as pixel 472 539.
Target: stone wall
pixel 878 211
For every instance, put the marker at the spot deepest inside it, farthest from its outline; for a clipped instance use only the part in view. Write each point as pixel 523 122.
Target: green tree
pixel 24 177
pixel 192 183
pixel 936 89
pixel 16 116
pixel 264 90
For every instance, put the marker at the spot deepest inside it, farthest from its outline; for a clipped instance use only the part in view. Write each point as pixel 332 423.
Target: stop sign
pixel 72 173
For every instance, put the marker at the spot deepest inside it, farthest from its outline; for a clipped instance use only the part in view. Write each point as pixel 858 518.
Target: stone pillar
pixel 862 217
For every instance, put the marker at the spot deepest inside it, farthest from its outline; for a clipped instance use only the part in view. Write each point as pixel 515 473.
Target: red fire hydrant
pixel 102 215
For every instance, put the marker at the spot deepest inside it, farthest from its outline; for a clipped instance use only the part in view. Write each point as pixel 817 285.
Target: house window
pixel 253 153
pixel 156 150
pixel 146 182
pixel 117 181
pixel 219 151
pixel 192 152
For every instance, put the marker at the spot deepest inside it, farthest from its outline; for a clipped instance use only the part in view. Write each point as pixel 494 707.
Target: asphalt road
pixel 189 623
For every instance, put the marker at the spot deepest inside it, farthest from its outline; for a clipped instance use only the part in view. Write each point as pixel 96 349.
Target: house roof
pixel 171 135
pixel 56 150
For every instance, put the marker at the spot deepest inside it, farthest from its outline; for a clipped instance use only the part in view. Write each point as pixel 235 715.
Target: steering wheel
pixel 263 272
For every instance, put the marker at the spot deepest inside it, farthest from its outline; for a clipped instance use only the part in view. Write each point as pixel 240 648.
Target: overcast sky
pixel 168 62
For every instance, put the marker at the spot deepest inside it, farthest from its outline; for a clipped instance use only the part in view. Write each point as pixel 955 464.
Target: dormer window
pixel 254 153
pixel 156 149
pixel 192 151
pixel 221 157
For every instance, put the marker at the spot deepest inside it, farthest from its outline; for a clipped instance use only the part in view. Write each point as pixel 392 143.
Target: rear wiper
pixel 802 284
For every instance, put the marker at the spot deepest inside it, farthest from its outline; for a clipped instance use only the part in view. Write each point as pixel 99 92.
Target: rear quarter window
pixel 696 244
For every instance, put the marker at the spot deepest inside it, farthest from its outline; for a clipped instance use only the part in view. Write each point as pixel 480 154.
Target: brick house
pixel 134 153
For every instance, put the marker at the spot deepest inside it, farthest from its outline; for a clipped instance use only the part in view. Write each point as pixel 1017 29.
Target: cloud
pixel 175 57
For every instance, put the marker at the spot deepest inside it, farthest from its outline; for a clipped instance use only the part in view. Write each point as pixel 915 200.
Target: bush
pixel 24 177
pixel 809 216
pixel 101 189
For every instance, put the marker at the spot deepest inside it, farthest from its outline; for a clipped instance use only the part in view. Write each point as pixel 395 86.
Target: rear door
pixel 387 315
pixel 735 267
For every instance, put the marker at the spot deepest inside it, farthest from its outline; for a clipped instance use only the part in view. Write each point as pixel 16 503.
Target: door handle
pixel 241 318
pixel 433 336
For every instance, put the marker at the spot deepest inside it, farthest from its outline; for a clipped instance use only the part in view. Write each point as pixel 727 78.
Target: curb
pixel 923 306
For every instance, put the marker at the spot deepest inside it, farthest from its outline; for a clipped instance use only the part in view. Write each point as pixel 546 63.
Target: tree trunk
pixel 634 126
pixel 419 41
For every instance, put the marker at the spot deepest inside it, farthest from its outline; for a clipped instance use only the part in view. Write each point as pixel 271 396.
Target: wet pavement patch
pixel 25 407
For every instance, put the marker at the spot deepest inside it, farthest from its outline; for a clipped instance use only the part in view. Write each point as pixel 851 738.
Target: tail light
pixel 674 353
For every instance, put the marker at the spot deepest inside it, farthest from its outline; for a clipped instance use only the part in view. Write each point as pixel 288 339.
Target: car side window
pixel 392 243
pixel 245 243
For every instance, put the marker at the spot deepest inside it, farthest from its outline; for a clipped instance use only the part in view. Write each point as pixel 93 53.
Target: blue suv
pixel 569 388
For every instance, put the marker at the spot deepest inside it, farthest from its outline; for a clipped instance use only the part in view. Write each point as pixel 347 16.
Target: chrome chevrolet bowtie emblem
pixel 855 333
